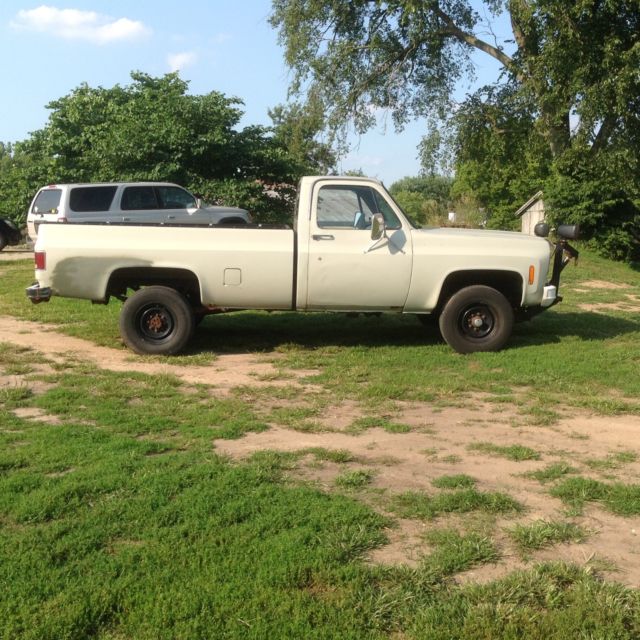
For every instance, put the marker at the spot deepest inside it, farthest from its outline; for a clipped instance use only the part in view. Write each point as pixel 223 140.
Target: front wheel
pixel 476 318
pixel 156 320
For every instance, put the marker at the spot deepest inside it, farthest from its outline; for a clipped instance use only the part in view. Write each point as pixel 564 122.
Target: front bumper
pixel 38 294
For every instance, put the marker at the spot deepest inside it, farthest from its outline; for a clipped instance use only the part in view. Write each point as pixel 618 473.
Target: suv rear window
pixel 47 200
pixel 91 198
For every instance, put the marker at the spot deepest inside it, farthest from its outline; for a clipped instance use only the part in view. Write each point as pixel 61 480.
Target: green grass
pixel 542 533
pixel 122 522
pixel 457 481
pixel 613 461
pixel 551 472
pixel 354 479
pixel 619 498
pixel 455 552
pixel 515 452
pixel 414 504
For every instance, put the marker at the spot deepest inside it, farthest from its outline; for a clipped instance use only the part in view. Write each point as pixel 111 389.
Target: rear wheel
pixel 156 320
pixel 3 241
pixel 476 318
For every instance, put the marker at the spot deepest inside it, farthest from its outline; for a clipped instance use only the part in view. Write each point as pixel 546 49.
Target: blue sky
pixel 223 45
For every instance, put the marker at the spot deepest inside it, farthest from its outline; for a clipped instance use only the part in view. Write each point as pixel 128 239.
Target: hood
pixel 479 242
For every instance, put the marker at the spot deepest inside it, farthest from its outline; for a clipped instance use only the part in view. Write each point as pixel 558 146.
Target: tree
pixel 153 129
pixel 573 64
pixel 426 199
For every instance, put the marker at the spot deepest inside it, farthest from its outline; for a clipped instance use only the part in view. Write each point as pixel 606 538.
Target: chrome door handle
pixel 171 217
pixel 322 237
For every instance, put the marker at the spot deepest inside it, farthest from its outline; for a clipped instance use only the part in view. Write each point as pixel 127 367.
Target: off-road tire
pixel 476 318
pixel 156 321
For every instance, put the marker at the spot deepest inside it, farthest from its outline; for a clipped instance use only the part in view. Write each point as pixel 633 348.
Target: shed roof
pixel 528 204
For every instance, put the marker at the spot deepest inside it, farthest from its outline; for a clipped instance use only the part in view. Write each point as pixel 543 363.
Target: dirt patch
pixel 37 415
pixel 226 372
pixel 602 284
pixel 443 448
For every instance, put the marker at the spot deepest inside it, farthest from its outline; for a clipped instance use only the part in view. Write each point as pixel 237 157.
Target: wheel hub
pixel 477 321
pixel 155 322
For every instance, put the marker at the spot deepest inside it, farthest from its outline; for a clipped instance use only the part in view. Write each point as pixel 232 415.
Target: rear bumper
pixel 37 294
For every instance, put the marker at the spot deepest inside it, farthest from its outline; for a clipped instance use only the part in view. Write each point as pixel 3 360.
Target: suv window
pixel 139 198
pixel 47 200
pixel 91 198
pixel 175 198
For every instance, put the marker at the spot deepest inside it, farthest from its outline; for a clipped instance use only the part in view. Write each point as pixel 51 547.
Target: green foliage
pixel 425 199
pixel 153 129
pixel 564 116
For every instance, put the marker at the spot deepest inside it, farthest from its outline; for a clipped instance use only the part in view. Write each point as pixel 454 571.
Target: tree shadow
pixel 248 332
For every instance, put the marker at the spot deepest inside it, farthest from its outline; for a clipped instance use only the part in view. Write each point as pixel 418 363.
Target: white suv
pixel 133 202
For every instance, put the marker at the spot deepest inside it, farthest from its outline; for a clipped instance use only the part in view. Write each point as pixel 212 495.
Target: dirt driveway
pixel 437 441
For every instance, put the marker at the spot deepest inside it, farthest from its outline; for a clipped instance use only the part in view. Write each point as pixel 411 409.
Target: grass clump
pixel 354 479
pixel 543 533
pixel 457 481
pixel 515 452
pixel 455 552
pixel 621 499
pixel 551 472
pixel 414 504
pixel 613 461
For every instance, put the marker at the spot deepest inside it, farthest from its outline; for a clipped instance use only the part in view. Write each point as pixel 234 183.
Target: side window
pixel 138 198
pixel 84 199
pixel 47 201
pixel 351 207
pixel 390 218
pixel 344 206
pixel 175 198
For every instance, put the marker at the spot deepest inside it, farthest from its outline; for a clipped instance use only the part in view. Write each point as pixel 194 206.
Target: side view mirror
pixel 568 231
pixel 198 202
pixel 378 226
pixel 541 229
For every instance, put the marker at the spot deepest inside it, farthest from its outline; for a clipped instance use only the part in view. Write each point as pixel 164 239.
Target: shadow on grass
pixel 261 331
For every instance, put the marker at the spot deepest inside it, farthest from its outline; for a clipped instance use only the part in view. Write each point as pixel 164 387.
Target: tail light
pixel 41 260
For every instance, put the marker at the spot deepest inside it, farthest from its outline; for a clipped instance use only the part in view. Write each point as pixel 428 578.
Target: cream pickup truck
pixel 351 249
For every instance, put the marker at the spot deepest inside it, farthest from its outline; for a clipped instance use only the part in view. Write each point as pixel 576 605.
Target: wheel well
pixel 508 283
pixel 182 280
pixel 232 221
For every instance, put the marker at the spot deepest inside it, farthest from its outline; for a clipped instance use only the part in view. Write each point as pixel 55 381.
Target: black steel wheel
pixel 476 318
pixel 156 320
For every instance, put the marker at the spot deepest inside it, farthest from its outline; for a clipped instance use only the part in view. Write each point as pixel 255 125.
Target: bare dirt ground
pixel 437 444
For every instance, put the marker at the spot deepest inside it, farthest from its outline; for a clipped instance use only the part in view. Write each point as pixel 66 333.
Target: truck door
pixel 346 269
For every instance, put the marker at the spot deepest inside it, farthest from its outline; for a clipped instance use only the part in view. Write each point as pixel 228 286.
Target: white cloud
pixel 72 24
pixel 178 61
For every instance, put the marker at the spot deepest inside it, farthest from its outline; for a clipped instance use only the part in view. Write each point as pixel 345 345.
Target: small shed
pixel 531 212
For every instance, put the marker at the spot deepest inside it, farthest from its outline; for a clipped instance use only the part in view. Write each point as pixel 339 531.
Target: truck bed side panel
pixel 236 267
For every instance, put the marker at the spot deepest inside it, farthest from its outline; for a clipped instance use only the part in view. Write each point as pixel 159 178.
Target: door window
pixel 351 207
pixel 135 198
pixel 175 198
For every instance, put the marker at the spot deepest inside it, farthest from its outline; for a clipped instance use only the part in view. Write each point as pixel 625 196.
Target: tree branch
pixel 603 135
pixel 474 41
